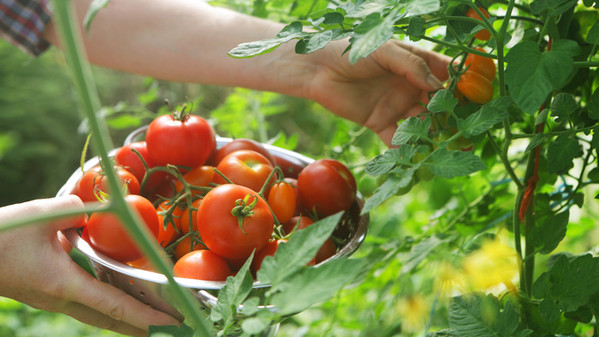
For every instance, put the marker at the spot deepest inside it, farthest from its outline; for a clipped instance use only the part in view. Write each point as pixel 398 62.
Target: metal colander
pixel 152 288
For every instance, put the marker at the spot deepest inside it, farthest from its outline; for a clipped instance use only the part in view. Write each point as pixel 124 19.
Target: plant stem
pixel 83 79
pixel 505 161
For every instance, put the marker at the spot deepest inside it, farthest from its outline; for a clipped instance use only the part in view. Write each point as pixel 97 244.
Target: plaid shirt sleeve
pixel 22 23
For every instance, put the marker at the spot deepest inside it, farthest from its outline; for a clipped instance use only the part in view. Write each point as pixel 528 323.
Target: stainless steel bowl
pixel 153 289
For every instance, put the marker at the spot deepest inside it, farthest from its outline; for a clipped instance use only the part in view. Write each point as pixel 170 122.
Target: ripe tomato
pixel 326 186
pixel 186 224
pixel 186 141
pixel 328 249
pixel 168 231
pixel 127 158
pixel 475 87
pixel 480 64
pixel 233 221
pixel 108 234
pixel 200 176
pixel 243 144
pixel 281 199
pixel 94 181
pixel 268 250
pixel 299 221
pixel 483 35
pixel 187 245
pixel 202 265
pixel 291 167
pixel 244 167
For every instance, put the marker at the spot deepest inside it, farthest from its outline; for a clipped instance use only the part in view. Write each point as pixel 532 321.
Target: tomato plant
pixel 476 87
pixel 326 186
pixel 483 35
pixel 180 139
pixel 481 64
pixel 108 234
pixel 233 221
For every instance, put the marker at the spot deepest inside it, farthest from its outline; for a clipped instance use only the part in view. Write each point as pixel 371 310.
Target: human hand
pixel 37 271
pixel 391 84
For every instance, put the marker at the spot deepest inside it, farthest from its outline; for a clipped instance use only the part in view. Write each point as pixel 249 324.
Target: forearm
pixel 188 41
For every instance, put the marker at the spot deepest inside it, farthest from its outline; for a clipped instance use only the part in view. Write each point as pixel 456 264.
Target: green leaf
pixel 234 292
pixel 451 164
pixel 288 33
pixel 254 326
pixel 553 7
pixel 574 281
pixel 388 189
pixel 419 252
pixel 315 284
pixel 535 141
pixel 170 331
pixel 561 152
pixel 369 35
pixel 508 320
pixel 532 75
pixel 485 118
pixel 314 42
pixel 411 129
pixel 562 106
pixel 466 318
pixel 365 8
pixel 550 233
pixel 94 8
pixel 593 105
pixel 416 26
pixel 443 101
pixel 593 34
pixel 420 7
pixel 385 162
pixel 292 256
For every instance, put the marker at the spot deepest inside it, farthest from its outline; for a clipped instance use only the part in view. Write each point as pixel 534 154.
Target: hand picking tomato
pixel 480 64
pixel 202 265
pixel 483 35
pixel 127 158
pixel 108 234
pixel 95 181
pixel 281 198
pixel 244 167
pixel 475 87
pixel 180 139
pixel 234 220
pixel 327 187
pixel 243 144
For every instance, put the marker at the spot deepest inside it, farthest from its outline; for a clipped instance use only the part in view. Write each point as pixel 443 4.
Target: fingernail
pixel 434 82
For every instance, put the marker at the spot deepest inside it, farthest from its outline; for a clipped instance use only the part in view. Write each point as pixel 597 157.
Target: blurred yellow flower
pixel 414 311
pixel 449 279
pixel 493 264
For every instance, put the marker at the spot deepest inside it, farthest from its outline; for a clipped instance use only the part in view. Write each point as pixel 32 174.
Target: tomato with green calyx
pixel 233 221
pixel 480 64
pixel 201 176
pixel 130 157
pixel 281 198
pixel 244 167
pixel 170 222
pixel 180 139
pixel 189 218
pixel 367 184
pixel 483 35
pixel 327 187
pixel 475 87
pixel 423 172
pixel 94 182
pixel 202 265
pixel 243 144
pixel 109 236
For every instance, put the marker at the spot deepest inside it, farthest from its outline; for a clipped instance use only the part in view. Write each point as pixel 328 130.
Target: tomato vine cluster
pixel 210 208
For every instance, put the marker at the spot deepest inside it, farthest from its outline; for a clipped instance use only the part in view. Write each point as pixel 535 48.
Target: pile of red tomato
pixel 209 208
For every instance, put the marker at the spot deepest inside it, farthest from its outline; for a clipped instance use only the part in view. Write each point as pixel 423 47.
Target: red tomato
pixel 202 265
pixel 480 64
pixel 169 231
pixel 296 221
pixel 243 144
pixel 327 187
pixel 268 250
pixel 475 87
pixel 94 181
pixel 185 216
pixel 244 167
pixel 483 35
pixel 327 250
pixel 200 176
pixel 291 167
pixel 127 158
pixel 108 234
pixel 233 221
pixel 187 141
pixel 281 199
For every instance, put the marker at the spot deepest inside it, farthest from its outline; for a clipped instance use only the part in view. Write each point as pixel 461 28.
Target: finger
pixel 97 319
pixel 438 63
pixel 114 303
